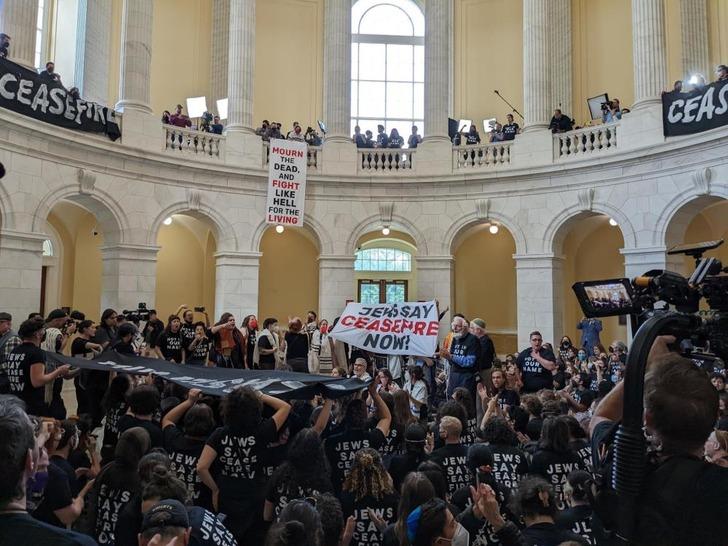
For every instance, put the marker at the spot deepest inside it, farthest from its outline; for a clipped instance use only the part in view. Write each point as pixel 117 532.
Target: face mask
pixel 253 324
pixel 38 482
pixel 460 538
pixel 324 329
pixel 582 357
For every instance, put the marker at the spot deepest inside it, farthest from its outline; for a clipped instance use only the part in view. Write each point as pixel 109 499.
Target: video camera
pixel 137 315
pixel 647 300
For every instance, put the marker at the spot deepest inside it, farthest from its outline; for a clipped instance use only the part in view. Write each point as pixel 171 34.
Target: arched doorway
pixel 186 265
pixel 485 281
pixel 288 282
pixel 590 244
pixel 385 269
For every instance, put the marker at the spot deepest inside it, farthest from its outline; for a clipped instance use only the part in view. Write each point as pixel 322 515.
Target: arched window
pixel 47 248
pixel 387 66
pixel 383 259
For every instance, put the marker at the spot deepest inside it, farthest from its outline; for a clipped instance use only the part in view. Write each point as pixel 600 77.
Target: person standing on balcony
pixel 49 73
pixel 217 126
pixel 296 134
pixel 358 138
pixel 382 138
pixel 395 141
pixel 414 139
pixel 510 129
pixel 472 137
pixel 496 134
pixel 560 123
pixel 178 119
pixel 721 72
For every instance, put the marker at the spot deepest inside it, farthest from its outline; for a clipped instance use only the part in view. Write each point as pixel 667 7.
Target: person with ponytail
pixel 417 489
pixel 368 490
pixel 299 524
pixel 577 518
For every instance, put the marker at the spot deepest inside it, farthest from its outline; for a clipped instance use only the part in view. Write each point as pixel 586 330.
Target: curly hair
pixel 527 499
pixel 532 404
pixel 462 395
pixel 306 466
pixel 355 415
pixel 455 409
pixel 242 409
pixel 497 431
pixel 368 476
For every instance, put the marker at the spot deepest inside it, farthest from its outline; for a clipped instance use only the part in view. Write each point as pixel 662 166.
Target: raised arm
pixel 176 413
pixel 385 417
pixel 282 409
pixel 323 418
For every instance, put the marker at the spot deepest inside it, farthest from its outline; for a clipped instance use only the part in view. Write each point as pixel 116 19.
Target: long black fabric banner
pixel 218 381
pixel 24 91
pixel 696 111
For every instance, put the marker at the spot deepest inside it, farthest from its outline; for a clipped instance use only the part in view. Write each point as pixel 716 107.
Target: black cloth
pixel 170 344
pixel 684 499
pixel 487 352
pixel 111 429
pixel 113 489
pixel 365 531
pixel 578 520
pixel 266 362
pixel 510 464
pixel 547 534
pixel 465 351
pixel 56 495
pixel 535 376
pixel 17 368
pixel 561 125
pixel 155 431
pixel 207 529
pixel 250 346
pixel 184 452
pixel 453 459
pixel 124 348
pixel 129 523
pixel 341 449
pixel 21 528
pixel 296 345
pixel 554 468
pixel 510 130
pixel 78 348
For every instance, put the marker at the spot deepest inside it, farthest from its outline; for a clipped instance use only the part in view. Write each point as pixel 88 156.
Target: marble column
pixel 537 102
pixel 241 66
pixel 336 284
pixel 18 19
pixel 93 41
pixel 560 45
pixel 129 276
pixel 649 51
pixel 435 282
pixel 437 69
pixel 337 68
pixel 236 283
pixel 539 296
pixel 21 262
pixel 694 32
pixel 136 56
pixel 220 44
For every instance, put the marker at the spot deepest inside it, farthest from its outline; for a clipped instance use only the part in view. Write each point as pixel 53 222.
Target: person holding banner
pixel 464 357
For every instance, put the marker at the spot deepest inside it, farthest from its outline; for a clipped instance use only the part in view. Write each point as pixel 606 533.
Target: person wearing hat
pixel 9 340
pixel 164 522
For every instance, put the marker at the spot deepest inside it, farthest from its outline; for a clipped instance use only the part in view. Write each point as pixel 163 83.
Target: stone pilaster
pixel 540 286
pixel 337 68
pixel 236 283
pixel 241 66
pixel 92 49
pixel 537 101
pixel 435 282
pixel 129 276
pixel 136 57
pixel 694 32
pixel 649 51
pixel 18 19
pixel 220 44
pixel 560 38
pixel 437 69
pixel 336 285
pixel 21 262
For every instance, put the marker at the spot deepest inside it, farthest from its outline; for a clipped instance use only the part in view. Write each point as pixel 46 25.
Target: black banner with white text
pixel 25 92
pixel 697 111
pixel 218 381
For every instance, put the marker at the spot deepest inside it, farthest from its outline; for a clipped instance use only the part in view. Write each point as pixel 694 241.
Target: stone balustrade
pixel 385 161
pixel 584 142
pixel 312 159
pixel 481 156
pixel 196 143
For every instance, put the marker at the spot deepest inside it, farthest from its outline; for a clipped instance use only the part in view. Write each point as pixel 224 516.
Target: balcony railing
pixel 481 156
pixel 313 156
pixel 198 143
pixel 385 161
pixel 586 142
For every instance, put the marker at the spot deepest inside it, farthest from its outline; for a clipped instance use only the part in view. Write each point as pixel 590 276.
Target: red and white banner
pixel 390 328
pixel 287 163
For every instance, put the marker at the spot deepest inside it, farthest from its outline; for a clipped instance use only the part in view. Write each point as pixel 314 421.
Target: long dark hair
pixel 555 435
pixel 417 489
pixel 462 395
pixel 306 466
pixel 116 393
pixel 431 522
pixel 104 317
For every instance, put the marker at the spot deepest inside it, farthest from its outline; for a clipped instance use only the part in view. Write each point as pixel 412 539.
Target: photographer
pixel 560 123
pixel 684 499
pixel 611 111
pixel 312 137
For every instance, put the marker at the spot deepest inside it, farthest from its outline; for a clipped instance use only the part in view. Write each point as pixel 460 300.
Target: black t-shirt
pixel 187 332
pixel 578 520
pixel 17 367
pixel 155 431
pixel 472 138
pixel 365 531
pixel 453 459
pixel 198 355
pixel 465 351
pixel 535 376
pixel 207 529
pixel 470 434
pixel 341 449
pixel 487 352
pixel 510 130
pixel 554 468
pixel 114 488
pixel 124 348
pixel 56 495
pixel 401 465
pixel 547 534
pixel 481 532
pixel 509 398
pixel 17 529
pixel 280 491
pixel 296 345
pixel 582 448
pixel 184 452
pixel 171 346
pixel 111 426
pixel 78 348
pixel 266 361
pixel 510 464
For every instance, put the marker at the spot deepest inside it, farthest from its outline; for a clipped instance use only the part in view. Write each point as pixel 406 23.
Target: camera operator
pixel 4 45
pixel 611 111
pixel 312 137
pixel 560 123
pixel 684 499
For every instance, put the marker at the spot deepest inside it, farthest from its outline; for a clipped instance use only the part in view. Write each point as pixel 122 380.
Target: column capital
pixel 336 261
pixel 644 251
pixel 129 252
pixel 538 261
pixel 229 257
pixel 435 262
pixel 21 237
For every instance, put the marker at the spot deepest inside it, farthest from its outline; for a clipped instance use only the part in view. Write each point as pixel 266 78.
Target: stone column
pixel 337 68
pixel 21 261
pixel 220 44
pixel 129 276
pixel 437 68
pixel 236 283
pixel 18 19
pixel 136 57
pixel 539 295
pixel 435 282
pixel 649 51
pixel 560 38
pixel 694 31
pixel 336 284
pixel 241 65
pixel 92 49
pixel 537 101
